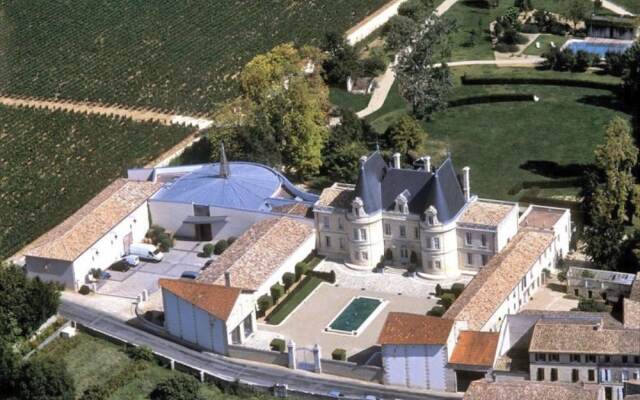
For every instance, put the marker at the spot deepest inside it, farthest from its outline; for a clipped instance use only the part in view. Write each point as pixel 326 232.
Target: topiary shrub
pixel 140 353
pixel 457 289
pixel 208 249
pixel 300 269
pixel 339 355
pixel 277 291
pixel 529 28
pixel 220 247
pixel 438 290
pixel 84 290
pixel 96 273
pixel 278 345
pixel 447 300
pixel 436 311
pixel 288 279
pixel 231 240
pixel 506 48
pixel 264 303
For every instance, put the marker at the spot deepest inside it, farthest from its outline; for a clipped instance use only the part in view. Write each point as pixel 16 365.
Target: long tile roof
pixel 217 300
pixel 530 390
pixel 475 348
pixel 338 195
pixel 406 328
pixel 258 252
pixel 495 281
pixel 489 213
pixel 80 231
pixel 551 336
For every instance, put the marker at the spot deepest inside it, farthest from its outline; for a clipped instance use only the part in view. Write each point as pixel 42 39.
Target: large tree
pixel 406 136
pixel 423 76
pixel 632 85
pixel 45 378
pixel 609 195
pixel 576 11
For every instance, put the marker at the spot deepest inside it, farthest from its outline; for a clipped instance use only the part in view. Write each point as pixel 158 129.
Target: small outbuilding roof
pixel 80 231
pixel 475 348
pixel 405 329
pixel 530 390
pixel 487 213
pixel 217 300
pixel 554 337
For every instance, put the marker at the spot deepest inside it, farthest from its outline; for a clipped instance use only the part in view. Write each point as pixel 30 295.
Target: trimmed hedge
pixel 466 80
pixel 339 355
pixel 220 247
pixel 277 291
pixel 207 249
pixel 436 311
pixel 301 269
pixel 84 290
pixel 547 184
pixel 288 279
pixel 278 345
pixel 297 296
pixel 457 289
pixel 264 303
pixel 325 276
pixel 491 98
pixel 447 300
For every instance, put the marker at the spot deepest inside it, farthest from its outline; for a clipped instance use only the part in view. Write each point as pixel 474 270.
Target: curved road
pixel 228 369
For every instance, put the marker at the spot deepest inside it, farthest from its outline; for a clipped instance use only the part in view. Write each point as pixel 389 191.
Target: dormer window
pixel 357 207
pixel 402 205
pixel 431 216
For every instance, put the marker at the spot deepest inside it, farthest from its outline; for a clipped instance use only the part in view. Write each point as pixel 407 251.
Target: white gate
pixel 305 359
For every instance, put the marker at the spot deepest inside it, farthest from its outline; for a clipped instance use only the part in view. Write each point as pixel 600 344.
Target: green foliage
pixel 84 290
pixel 438 290
pixel 220 246
pixel 231 240
pixel 577 10
pixel 587 274
pixel 339 355
pixel 297 296
pixel 559 60
pixel 264 303
pixel 178 387
pixel 582 61
pixel 140 353
pixel 208 249
pixel 457 289
pixel 592 305
pixel 562 276
pixel 436 311
pixel 523 5
pixel 201 152
pixel 9 365
pixel 277 291
pixel 75 157
pixel 288 279
pixel 96 273
pixel 96 392
pixel 160 238
pixel 329 277
pixel 406 136
pixel 342 60
pixel 278 345
pixel 447 299
pixel 397 32
pixel 300 269
pixel 615 63
pixel 45 378
pixel 148 53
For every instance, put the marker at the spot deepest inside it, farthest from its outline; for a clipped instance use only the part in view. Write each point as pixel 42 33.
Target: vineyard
pixel 53 162
pixel 180 56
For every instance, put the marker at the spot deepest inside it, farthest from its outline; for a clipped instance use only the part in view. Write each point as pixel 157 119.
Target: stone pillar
pixel 291 352
pixel 172 364
pixel 202 376
pixel 317 355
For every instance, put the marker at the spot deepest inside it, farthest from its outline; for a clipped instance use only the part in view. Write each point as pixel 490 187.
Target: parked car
pixel 146 251
pixel 125 263
pixel 132 260
pixel 189 275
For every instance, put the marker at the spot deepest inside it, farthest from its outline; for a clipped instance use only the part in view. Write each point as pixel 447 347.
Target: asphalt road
pixel 228 369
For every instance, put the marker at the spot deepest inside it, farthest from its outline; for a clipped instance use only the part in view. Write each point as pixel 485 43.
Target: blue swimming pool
pixel 601 49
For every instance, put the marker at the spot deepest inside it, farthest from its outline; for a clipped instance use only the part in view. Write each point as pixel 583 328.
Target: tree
pixel 45 378
pixel 632 85
pixel 179 387
pixel 576 11
pixel 414 9
pixel 342 59
pixel 406 135
pixel 423 77
pixel 609 194
pixel 523 5
pixel 398 31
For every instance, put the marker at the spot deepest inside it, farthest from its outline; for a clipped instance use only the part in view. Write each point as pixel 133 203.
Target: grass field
pixel 54 162
pixel 496 139
pixel 93 361
pixel 632 6
pixel 545 44
pixel 173 55
pixel 343 99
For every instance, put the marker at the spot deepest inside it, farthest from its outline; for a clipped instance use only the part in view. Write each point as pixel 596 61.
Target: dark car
pixel 189 275
pixel 120 266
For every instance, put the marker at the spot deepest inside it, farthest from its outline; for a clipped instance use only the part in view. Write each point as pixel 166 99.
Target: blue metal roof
pixel 247 186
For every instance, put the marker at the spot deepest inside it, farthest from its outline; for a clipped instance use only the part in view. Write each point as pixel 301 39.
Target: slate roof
pixel 80 231
pixel 554 337
pixel 475 348
pixel 530 390
pixel 379 185
pixel 257 253
pixel 217 300
pixel 406 329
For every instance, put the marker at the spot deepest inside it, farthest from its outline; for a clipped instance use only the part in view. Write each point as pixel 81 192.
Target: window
pixel 363 234
pixel 429 243
pixel 625 359
pixel 416 232
pixel 636 359
pixel 576 292
pixel 469 258
pixel 555 357
pixel 574 357
pixel 485 259
pixel 341 243
pixel 403 231
pixel 430 220
pixel 554 374
pixel 327 241
pixel 468 238
pixel 365 255
pixel 591 358
pixel 404 253
pixel 606 375
pixel 355 234
pixel 430 264
pixel 540 374
pixel 607 359
pixel 436 243
pixel 541 357
pixel 591 375
pixel 356 255
pixel 340 226
pixel 325 222
pixel 438 265
pixel 575 375
pixel 387 229
pixel 484 240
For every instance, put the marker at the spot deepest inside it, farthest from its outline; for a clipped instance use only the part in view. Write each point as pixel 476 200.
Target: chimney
pixel 427 163
pixel 396 161
pixel 227 278
pixel 224 164
pixel 466 185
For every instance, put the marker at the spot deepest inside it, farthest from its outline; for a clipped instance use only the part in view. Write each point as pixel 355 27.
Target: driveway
pixel 183 257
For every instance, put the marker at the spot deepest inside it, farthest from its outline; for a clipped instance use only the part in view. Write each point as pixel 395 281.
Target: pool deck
pixel 306 325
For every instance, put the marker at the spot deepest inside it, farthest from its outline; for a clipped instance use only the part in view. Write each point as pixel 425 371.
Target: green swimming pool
pixel 354 315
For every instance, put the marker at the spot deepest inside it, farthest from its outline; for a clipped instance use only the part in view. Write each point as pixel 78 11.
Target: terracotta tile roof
pixel 215 299
pixel 405 328
pixel 550 336
pixel 631 314
pixel 530 390
pixel 495 281
pixel 299 209
pixel 542 217
pixel 80 231
pixel 475 348
pixel 258 252
pixel 488 213
pixel 339 195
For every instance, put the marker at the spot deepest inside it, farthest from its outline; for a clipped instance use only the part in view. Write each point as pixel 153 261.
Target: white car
pixel 146 251
pixel 131 260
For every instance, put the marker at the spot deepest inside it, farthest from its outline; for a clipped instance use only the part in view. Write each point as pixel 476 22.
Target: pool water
pixel 355 314
pixel 600 49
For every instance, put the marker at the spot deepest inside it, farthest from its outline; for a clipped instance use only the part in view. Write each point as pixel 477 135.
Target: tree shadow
pixel 606 101
pixel 476 4
pixel 552 169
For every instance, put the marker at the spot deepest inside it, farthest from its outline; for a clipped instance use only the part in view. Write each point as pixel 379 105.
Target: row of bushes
pixel 219 248
pixel 548 184
pixel 160 238
pixel 491 98
pixel 447 297
pixel 466 80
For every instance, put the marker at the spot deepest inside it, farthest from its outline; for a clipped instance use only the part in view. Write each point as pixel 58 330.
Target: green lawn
pixel 343 99
pixel 629 5
pixel 545 43
pixel 496 139
pixel 293 299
